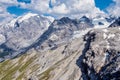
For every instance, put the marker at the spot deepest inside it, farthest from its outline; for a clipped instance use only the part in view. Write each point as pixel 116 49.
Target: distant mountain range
pixel 43 48
pixel 32 30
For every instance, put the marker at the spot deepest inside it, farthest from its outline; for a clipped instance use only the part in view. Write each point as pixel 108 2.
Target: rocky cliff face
pixel 101 56
pixel 116 23
pixel 94 56
pixel 61 31
pixel 53 54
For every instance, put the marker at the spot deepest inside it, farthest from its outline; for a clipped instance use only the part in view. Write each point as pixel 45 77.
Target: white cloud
pixel 60 8
pixel 114 9
pixel 4 15
pixel 8 1
pixel 83 7
pixel 71 8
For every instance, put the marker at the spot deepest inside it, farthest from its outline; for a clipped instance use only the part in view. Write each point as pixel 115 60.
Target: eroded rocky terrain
pixel 101 56
pixel 65 50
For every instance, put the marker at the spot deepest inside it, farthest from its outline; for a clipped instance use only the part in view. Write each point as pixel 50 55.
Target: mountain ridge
pixel 64 49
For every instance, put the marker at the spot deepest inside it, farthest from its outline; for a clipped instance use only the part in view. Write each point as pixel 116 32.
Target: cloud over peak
pixel 114 9
pixel 59 8
pixel 62 8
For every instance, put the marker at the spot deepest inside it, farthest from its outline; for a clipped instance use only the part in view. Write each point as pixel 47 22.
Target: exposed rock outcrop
pixel 34 31
pixel 101 58
pixel 57 64
pixel 116 23
pixel 96 56
pixel 67 49
pixel 21 33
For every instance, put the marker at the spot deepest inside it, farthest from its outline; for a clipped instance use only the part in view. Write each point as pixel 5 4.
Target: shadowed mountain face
pixel 100 59
pixel 65 27
pixel 34 47
pixel 116 23
pixel 34 31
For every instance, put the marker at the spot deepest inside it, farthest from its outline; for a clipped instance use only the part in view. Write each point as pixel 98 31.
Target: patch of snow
pixel 105 30
pixel 104 35
pixel 27 16
pixel 20 19
pixel 102 20
pixel 12 23
pixel 102 26
pixel 78 34
pixel 111 36
pixel 49 17
pixel 108 45
pixel 108 36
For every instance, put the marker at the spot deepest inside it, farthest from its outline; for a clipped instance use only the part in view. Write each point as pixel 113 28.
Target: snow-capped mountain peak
pixel 100 22
pixel 23 31
pixel 84 19
pixel 26 16
pixel 21 18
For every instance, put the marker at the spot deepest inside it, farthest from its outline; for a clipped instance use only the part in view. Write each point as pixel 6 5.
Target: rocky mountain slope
pixel 32 30
pixel 65 49
pixel 21 33
pixel 116 23
pixel 101 56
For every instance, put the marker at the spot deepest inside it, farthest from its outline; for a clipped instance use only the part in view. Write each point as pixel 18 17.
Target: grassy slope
pixel 18 66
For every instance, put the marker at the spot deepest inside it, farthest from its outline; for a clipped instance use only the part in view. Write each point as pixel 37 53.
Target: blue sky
pixel 10 9
pixel 59 8
pixel 17 10
pixel 26 1
pixel 103 4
